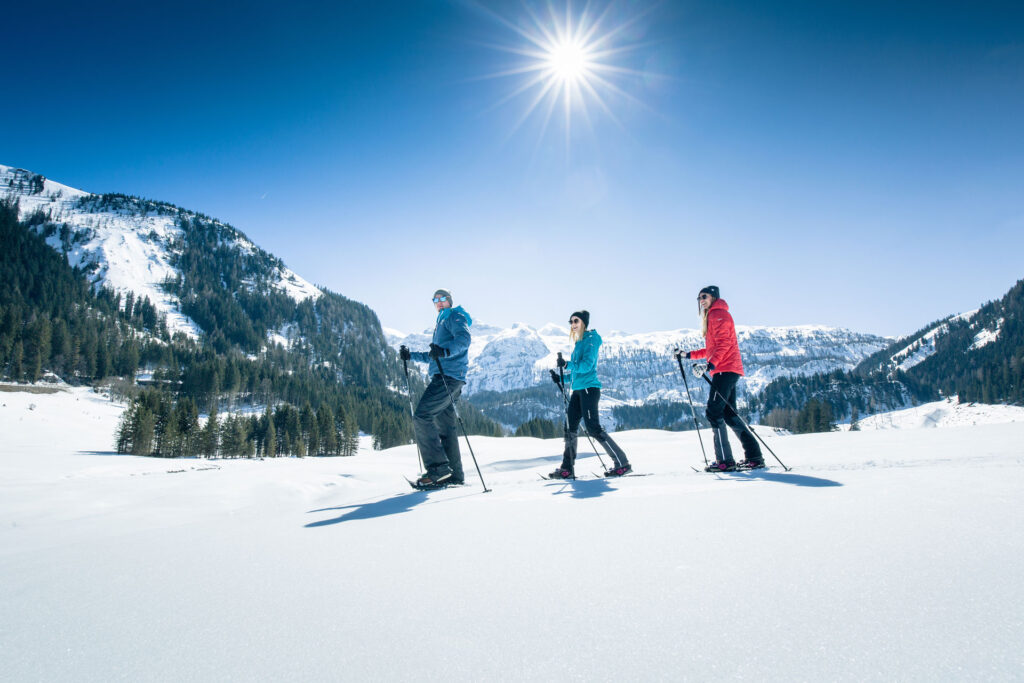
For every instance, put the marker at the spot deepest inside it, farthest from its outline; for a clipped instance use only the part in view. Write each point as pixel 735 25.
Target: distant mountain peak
pixel 130 244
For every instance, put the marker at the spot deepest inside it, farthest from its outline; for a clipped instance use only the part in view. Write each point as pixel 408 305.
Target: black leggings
pixel 583 405
pixel 720 414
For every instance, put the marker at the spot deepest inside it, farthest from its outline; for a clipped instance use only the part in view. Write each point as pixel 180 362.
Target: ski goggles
pixel 439 299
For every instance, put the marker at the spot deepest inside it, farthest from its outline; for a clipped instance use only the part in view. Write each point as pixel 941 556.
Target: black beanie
pixel 582 315
pixel 712 290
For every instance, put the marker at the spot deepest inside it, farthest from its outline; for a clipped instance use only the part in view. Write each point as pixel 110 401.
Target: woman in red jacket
pixel 725 366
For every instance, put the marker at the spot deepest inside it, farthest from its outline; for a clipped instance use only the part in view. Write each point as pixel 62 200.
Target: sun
pixel 571 61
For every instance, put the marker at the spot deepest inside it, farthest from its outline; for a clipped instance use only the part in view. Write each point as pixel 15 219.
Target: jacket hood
pixel 445 312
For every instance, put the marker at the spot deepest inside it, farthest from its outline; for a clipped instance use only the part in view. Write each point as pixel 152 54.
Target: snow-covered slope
pixel 882 555
pixel 638 367
pixel 946 413
pixel 919 348
pixel 127 246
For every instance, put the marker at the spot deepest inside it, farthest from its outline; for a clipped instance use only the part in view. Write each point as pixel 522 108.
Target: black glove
pixel 560 362
pixel 711 366
pixel 403 352
pixel 680 354
pixel 438 351
pixel 555 378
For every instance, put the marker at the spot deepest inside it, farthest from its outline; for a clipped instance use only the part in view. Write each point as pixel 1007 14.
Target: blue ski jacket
pixel 452 333
pixel 581 371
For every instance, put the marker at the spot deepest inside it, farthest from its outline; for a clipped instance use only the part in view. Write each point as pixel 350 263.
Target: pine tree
pixel 270 439
pixel 142 435
pixel 209 436
pixel 126 429
pixel 855 420
pixel 17 372
pixel 350 435
pixel 328 432
pixel 308 425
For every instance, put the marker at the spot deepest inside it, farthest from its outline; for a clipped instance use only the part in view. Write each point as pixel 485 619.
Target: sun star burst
pixel 569 61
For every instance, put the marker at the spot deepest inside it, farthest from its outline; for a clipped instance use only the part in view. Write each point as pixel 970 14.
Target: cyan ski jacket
pixel 581 371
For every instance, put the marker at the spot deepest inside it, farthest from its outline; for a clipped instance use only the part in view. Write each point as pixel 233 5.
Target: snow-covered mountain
pixel 130 244
pixel 638 368
pixel 190 304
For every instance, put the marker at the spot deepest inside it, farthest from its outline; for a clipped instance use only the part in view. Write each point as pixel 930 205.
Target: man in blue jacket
pixel 434 417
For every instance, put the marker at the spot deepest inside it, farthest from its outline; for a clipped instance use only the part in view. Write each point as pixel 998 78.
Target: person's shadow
pixel 781 478
pixel 582 488
pixel 380 508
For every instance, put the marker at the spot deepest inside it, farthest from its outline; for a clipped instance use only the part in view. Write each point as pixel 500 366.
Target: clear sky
pixel 858 164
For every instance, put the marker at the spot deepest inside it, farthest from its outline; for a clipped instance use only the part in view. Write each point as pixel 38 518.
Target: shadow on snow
pixel 530 463
pixel 782 478
pixel 381 508
pixel 583 488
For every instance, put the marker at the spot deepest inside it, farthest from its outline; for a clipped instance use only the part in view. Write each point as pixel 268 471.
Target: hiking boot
pixel 562 473
pixel 619 471
pixel 721 467
pixel 433 480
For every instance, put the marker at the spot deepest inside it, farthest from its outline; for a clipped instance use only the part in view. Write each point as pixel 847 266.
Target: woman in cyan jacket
pixel 581 376
pixel 725 366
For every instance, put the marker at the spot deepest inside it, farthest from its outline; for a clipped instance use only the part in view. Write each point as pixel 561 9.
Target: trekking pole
pixel 692 411
pixel 748 427
pixel 412 413
pixel 561 388
pixel 461 423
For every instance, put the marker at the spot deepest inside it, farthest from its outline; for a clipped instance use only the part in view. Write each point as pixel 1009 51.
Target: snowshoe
pixel 721 467
pixel 619 471
pixel 432 481
pixel 562 473
pixel 750 465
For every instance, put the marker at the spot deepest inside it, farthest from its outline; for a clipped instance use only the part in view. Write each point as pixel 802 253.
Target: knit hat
pixel 712 290
pixel 582 315
pixel 443 292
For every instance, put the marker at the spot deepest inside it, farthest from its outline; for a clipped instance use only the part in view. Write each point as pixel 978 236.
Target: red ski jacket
pixel 722 349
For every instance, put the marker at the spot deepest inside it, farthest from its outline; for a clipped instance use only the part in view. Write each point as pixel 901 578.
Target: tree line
pixel 156 424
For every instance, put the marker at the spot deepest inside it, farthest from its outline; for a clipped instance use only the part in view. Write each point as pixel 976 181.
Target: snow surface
pixel 883 555
pixel 947 413
pixel 986 336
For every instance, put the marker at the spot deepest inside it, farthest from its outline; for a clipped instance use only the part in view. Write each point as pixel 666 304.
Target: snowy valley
pixel 890 553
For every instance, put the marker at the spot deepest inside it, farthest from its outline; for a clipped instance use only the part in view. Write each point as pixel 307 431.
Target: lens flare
pixel 570 60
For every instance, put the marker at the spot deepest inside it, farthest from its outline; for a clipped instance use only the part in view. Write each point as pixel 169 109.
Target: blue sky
pixel 856 164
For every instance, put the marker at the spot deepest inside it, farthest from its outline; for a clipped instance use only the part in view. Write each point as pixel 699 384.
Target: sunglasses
pixel 703 296
pixel 574 320
pixel 439 299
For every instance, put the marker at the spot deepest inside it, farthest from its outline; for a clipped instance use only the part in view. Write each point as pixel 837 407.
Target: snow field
pixel 883 555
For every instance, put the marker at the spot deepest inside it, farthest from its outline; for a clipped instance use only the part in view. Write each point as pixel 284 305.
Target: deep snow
pixel 890 554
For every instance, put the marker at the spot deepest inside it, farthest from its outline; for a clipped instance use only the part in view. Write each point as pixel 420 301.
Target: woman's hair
pixel 704 318
pixel 577 336
pixel 715 294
